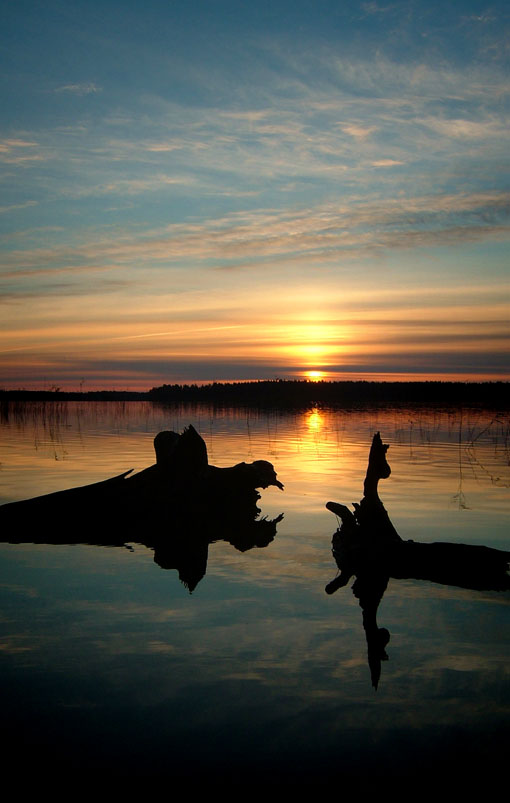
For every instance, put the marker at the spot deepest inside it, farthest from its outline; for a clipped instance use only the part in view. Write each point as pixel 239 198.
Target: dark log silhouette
pixel 367 546
pixel 181 469
pixel 177 507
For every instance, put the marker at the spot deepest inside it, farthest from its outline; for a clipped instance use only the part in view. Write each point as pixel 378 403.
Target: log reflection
pixel 176 507
pixel 367 546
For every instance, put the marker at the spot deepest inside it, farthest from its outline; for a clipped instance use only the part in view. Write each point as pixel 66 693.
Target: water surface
pixel 108 662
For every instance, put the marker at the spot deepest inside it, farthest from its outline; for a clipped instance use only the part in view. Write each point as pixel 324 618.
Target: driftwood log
pixel 181 471
pixel 368 547
pixel 177 507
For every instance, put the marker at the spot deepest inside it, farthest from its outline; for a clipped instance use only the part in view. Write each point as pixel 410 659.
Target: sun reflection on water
pixel 314 420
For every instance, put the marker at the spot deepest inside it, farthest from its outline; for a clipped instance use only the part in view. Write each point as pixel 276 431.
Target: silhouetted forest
pixel 289 393
pixel 283 393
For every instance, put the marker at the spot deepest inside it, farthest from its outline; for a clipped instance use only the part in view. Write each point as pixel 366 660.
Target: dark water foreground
pixel 113 672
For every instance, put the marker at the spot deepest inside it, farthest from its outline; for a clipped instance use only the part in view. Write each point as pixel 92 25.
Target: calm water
pixel 111 669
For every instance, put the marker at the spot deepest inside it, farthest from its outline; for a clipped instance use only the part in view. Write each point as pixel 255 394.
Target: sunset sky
pixel 242 190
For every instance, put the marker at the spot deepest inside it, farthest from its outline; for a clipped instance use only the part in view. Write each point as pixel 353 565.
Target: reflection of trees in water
pixel 415 426
pixel 498 430
pixel 482 441
pixel 52 424
pixel 53 416
pixel 477 454
pixel 48 422
pixel 459 498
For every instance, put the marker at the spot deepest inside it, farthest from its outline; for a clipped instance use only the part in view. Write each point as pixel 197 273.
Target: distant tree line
pixel 296 393
pixel 287 393
pixel 72 395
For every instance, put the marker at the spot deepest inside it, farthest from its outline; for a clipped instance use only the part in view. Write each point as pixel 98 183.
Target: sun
pixel 314 376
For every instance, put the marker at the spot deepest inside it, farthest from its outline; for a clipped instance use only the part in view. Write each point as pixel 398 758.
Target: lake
pixel 113 671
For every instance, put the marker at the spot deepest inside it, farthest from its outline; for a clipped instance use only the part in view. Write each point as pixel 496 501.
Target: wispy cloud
pixel 7 145
pixel 326 232
pixel 357 131
pixel 468 129
pixel 133 186
pixel 386 163
pixel 89 88
pixel 19 151
pixel 366 113
pixel 16 207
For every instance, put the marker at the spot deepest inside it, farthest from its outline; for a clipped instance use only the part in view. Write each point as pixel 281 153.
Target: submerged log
pixel 368 541
pixel 181 476
pixel 368 547
pixel 69 499
pixel 176 507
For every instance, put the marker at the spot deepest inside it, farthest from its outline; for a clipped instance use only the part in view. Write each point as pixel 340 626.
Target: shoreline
pixel 292 393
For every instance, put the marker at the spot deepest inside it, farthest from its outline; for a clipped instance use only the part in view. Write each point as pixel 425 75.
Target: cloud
pixel 134 186
pixel 66 289
pixel 483 18
pixel 132 371
pixel 286 128
pixel 163 147
pixel 357 131
pixel 15 207
pixel 468 129
pixel 179 332
pixel 451 361
pixel 386 163
pixel 7 145
pixel 325 233
pixel 33 273
pixel 89 88
pixel 18 151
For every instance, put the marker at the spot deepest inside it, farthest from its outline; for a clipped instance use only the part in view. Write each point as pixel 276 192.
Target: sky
pixel 230 190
